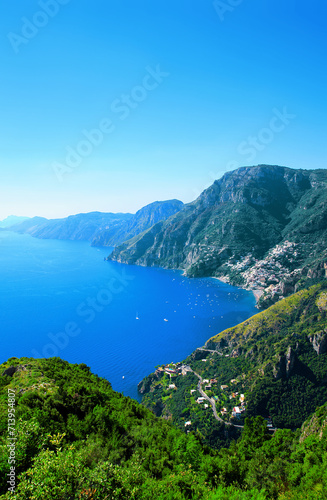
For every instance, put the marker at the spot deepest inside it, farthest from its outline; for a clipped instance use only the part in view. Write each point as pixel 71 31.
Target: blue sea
pixel 61 298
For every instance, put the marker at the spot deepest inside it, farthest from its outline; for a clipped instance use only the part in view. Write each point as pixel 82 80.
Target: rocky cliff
pixel 251 219
pixel 142 220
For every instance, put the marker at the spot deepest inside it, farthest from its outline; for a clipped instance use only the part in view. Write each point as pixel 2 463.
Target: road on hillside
pixel 211 401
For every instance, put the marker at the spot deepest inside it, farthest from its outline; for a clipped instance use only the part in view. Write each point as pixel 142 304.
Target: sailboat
pixel 137 316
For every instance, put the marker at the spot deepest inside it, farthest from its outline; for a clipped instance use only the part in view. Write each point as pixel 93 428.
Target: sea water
pixel 62 298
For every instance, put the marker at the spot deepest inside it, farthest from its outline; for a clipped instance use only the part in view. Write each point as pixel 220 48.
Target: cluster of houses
pixel 180 369
pixel 266 274
pixel 173 369
pixel 237 410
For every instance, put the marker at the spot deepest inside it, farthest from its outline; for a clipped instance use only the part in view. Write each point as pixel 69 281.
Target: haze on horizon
pixel 109 107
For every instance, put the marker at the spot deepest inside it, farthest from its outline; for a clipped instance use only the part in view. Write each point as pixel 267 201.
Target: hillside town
pixel 227 403
pixel 273 276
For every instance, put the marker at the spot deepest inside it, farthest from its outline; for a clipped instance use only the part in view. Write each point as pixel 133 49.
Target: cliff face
pixel 319 341
pixel 236 222
pixel 142 220
pixel 316 425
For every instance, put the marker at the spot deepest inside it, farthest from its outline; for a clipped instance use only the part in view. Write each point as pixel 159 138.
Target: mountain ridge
pixel 83 226
pixel 11 220
pixel 99 228
pixel 234 224
pixel 143 219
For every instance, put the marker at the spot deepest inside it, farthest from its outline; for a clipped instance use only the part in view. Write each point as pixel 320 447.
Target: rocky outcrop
pixel 316 425
pixel 145 385
pixel 287 288
pixel 319 342
pixel 13 369
pixel 285 364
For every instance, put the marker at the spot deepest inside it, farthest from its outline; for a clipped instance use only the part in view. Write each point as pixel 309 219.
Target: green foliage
pixel 277 358
pixel 80 436
pixel 81 440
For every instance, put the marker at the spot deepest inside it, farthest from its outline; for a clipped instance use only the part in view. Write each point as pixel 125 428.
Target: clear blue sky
pixel 233 72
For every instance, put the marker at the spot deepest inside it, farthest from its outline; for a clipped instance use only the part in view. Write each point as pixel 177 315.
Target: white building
pixel 236 412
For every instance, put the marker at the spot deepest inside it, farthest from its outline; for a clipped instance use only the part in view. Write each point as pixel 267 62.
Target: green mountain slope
pixel 65 434
pixel 83 440
pixel 273 364
pixel 243 229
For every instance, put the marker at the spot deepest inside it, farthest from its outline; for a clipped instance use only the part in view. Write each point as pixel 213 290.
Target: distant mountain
pixel 75 227
pixel 11 220
pixel 142 220
pixel 262 227
pixel 29 225
pixel 102 229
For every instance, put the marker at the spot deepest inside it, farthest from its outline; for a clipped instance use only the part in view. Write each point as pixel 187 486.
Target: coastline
pixel 257 294
pixel 256 291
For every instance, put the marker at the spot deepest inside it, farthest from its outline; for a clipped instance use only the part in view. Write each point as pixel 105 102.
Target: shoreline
pixel 256 292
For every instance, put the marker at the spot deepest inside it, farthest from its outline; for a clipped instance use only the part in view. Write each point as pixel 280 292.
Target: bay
pixel 61 298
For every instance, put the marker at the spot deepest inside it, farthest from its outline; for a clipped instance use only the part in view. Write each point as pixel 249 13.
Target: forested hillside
pixel 273 364
pixel 75 438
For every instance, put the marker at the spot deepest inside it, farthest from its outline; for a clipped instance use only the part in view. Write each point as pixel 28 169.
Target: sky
pixel 109 105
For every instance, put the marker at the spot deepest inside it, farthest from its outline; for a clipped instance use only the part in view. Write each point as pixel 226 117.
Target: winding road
pixel 211 401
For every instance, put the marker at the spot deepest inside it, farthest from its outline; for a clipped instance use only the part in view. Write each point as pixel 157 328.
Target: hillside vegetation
pixel 273 364
pixel 75 438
